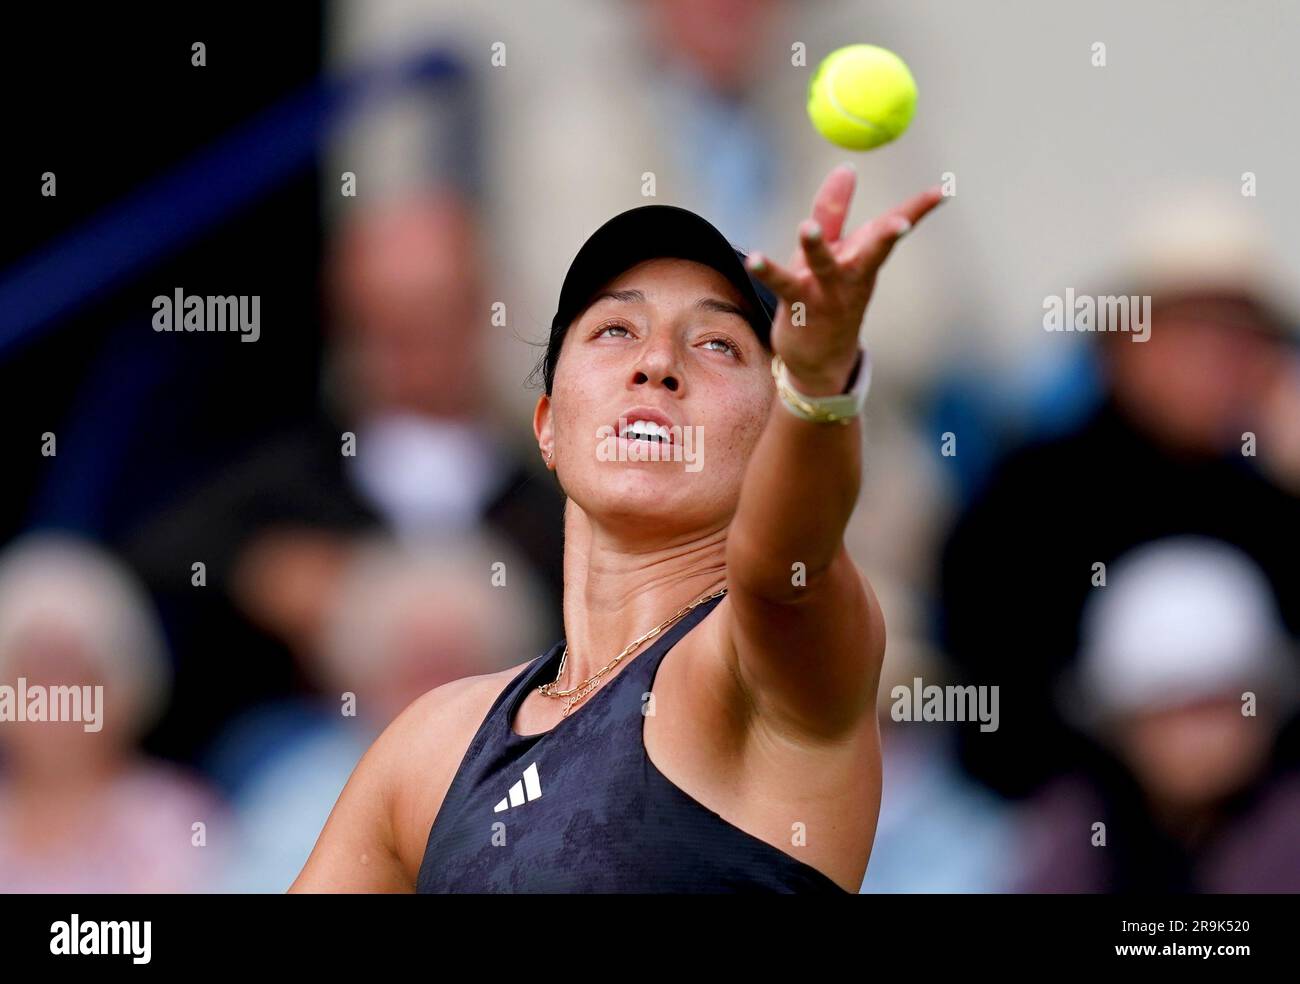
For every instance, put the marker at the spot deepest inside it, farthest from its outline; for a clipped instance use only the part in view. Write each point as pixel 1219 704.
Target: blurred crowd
pixel 1114 547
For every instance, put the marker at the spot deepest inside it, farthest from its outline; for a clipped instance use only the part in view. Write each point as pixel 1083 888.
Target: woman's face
pixel 665 342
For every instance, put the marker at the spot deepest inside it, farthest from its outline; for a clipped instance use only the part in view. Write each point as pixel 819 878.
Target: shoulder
pixel 421 750
pixel 374 838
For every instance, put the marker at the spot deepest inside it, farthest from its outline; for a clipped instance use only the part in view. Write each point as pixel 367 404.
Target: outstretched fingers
pixel 918 206
pixel 782 281
pixel 831 203
pixel 869 247
pixel 831 259
pixel 816 252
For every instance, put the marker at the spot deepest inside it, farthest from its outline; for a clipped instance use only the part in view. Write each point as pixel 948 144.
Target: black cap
pixel 645 233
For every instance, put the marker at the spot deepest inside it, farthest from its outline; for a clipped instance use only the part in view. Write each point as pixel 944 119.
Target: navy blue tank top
pixel 581 808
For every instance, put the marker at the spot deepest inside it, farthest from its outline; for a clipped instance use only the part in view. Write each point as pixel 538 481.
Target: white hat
pixel 63 579
pixel 1179 619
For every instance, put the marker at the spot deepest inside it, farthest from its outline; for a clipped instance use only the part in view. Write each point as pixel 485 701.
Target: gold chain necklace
pixel 575 694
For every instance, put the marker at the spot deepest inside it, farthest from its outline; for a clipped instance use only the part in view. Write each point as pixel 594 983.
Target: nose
pixel 657 363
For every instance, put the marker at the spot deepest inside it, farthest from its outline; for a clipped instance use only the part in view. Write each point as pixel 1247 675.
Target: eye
pixel 725 345
pixel 599 332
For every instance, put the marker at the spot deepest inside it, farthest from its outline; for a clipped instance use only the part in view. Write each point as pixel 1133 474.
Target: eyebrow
pixel 721 306
pixel 634 296
pixel 627 296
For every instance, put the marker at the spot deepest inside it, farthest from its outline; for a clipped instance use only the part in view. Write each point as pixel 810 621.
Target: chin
pixel 657 492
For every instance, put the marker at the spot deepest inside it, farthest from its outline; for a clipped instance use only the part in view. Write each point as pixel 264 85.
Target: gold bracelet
pixel 840 408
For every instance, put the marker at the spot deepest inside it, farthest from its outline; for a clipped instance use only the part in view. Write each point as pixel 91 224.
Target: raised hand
pixel 832 276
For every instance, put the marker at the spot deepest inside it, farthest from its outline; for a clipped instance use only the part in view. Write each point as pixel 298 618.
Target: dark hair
pixel 552 355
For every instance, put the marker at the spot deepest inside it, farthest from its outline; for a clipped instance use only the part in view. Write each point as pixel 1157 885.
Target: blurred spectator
pixel 403 621
pixel 1184 674
pixel 82 810
pixel 1165 454
pixel 405 376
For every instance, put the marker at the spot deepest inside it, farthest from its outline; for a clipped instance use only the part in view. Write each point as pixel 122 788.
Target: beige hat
pixel 1198 240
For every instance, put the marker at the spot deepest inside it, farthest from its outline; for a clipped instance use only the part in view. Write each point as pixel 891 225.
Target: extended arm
pixel 806 630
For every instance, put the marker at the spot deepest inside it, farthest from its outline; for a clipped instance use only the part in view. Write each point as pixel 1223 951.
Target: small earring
pixel 550 455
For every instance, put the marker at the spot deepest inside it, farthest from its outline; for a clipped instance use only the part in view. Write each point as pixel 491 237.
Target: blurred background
pixel 1105 530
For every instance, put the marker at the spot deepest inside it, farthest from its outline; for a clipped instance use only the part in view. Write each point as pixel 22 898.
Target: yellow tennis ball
pixel 861 97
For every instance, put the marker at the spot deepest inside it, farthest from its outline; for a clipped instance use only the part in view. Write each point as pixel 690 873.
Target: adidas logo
pixel 530 786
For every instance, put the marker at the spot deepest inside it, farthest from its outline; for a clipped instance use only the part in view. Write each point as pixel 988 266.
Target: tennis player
pixel 709 722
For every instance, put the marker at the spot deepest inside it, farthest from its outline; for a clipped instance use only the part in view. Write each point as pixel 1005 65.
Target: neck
pixel 615 590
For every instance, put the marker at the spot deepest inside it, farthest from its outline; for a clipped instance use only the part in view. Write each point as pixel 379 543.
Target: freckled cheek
pixel 576 423
pixel 738 439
